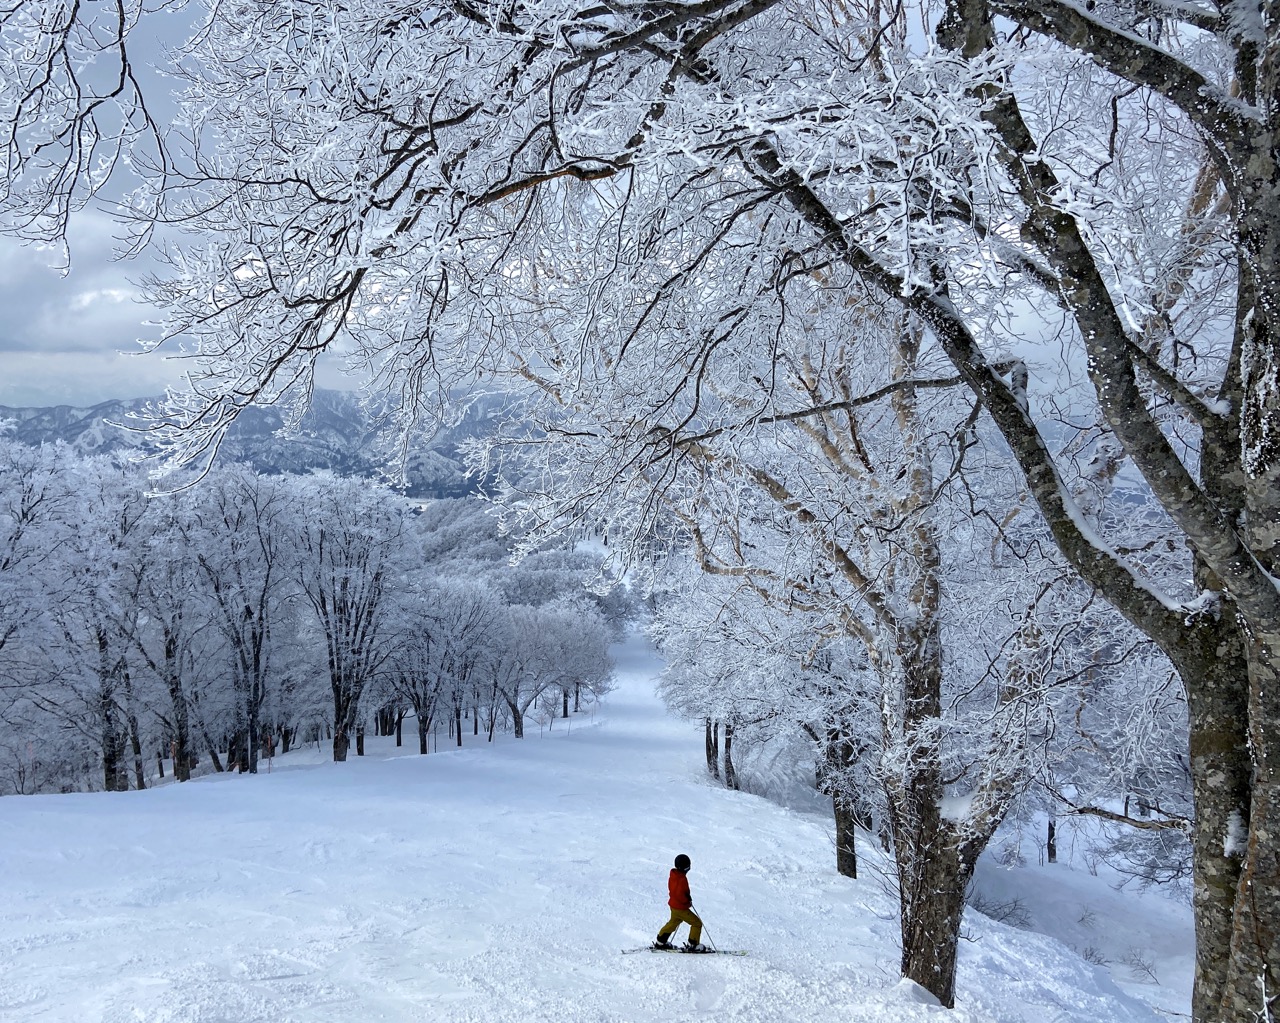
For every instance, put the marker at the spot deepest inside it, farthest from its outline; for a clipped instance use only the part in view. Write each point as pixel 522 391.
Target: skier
pixel 681 903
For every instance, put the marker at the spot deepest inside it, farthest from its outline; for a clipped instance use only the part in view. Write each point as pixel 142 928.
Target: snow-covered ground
pixel 499 883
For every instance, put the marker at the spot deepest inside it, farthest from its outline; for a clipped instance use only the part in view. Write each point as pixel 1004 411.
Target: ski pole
pixel 705 929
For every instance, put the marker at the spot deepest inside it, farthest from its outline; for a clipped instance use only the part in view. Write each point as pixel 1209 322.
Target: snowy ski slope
pixel 496 883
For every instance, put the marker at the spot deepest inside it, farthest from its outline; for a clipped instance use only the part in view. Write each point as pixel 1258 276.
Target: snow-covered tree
pixel 442 653
pixel 89 683
pixel 35 499
pixel 239 532
pixel 170 632
pixel 540 649
pixel 352 545
pixel 36 502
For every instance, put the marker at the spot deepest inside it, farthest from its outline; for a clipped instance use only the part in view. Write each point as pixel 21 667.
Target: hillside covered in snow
pixel 335 433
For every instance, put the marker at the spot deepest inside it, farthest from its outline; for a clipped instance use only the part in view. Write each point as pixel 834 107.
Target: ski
pixel 674 948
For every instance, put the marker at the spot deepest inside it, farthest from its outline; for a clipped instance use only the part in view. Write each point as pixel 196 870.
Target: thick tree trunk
pixel 182 752
pixel 1051 842
pixel 932 884
pixel 254 719
pixel 730 772
pixel 1220 771
pixel 181 748
pixel 131 719
pixel 238 750
pixel 839 754
pixel 424 735
pixel 457 723
pixel 135 742
pixel 846 829
pixel 1252 989
pixel 934 854
pixel 346 709
pixel 115 775
pixel 931 877
pixel 360 740
pixel 1214 672
pixel 713 748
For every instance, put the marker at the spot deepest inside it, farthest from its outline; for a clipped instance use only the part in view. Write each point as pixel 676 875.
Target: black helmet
pixel 682 862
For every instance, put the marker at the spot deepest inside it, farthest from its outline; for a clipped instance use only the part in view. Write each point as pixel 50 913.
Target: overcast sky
pixel 71 339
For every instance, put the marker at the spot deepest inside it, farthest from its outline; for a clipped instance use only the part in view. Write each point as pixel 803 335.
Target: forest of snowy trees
pixel 222 624
pixel 927 353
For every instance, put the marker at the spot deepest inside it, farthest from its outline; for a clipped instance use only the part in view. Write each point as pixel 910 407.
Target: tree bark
pixel 1241 458
pixel 182 751
pixel 846 832
pixel 838 754
pixel 730 772
pixel 932 885
pixel 931 877
pixel 1252 989
pixel 712 748
pixel 253 718
pixel 115 776
pixel 131 719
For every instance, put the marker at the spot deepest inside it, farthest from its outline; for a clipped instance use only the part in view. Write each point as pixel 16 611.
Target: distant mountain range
pixel 334 434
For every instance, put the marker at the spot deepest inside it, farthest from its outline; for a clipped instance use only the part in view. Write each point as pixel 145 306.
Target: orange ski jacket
pixel 678 889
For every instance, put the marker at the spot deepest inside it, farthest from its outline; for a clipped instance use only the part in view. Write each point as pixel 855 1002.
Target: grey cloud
pixel 62 335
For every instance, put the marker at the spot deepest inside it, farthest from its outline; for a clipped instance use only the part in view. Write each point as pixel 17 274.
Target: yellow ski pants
pixel 678 917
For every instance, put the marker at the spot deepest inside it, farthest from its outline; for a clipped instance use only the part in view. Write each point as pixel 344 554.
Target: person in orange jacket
pixel 681 903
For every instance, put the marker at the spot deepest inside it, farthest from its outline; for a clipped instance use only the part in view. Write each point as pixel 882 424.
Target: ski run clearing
pixel 501 882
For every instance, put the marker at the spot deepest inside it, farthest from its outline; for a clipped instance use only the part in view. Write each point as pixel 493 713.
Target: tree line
pixel 221 624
